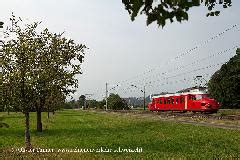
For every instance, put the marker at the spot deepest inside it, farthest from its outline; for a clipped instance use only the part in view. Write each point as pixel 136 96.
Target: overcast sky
pixel 128 53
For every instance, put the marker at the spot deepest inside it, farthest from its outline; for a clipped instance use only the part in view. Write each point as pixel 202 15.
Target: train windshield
pixel 201 96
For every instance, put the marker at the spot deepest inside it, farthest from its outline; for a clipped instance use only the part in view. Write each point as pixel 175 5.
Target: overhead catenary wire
pixel 166 81
pixel 183 54
pixel 128 81
pixel 177 75
pixel 183 80
pixel 165 73
pixel 184 73
pixel 181 74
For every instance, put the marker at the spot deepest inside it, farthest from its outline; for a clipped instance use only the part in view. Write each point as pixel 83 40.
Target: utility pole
pixel 106 96
pixel 144 98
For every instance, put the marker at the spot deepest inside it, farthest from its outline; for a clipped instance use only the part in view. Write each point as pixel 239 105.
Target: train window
pixel 193 97
pixel 198 97
pixel 168 101
pixel 160 101
pixel 172 100
pixel 176 100
pixel 181 99
pixel 164 101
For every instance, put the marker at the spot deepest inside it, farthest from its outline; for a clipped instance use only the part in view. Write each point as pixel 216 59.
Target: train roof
pixel 192 92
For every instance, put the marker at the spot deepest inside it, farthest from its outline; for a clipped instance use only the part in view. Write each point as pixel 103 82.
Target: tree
pixel 92 103
pixel 18 58
pixel 67 105
pixel 101 104
pixel 81 101
pixel 224 85
pixel 58 61
pixel 115 102
pixel 163 10
pixel 39 70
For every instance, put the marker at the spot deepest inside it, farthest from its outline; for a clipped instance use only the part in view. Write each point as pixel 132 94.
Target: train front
pixel 209 104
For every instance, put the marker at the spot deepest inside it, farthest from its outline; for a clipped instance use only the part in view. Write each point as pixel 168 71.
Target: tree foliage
pixel 115 102
pixel 49 60
pixel 81 101
pixel 93 104
pixel 162 10
pixel 224 85
pixel 101 104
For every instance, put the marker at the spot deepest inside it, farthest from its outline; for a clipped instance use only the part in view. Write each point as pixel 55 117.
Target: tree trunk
pixel 27 132
pixel 48 114
pixel 39 119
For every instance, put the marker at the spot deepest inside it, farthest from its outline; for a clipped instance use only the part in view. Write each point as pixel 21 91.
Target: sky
pixel 123 53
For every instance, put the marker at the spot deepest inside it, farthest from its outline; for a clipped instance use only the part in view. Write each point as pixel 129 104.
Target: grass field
pixel 71 129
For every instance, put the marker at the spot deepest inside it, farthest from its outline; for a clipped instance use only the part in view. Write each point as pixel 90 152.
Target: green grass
pixel 70 129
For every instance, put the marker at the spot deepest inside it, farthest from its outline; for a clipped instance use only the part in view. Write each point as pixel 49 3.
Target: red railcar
pixel 189 101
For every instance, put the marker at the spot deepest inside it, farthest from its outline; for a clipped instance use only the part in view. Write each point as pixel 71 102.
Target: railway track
pixel 181 114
